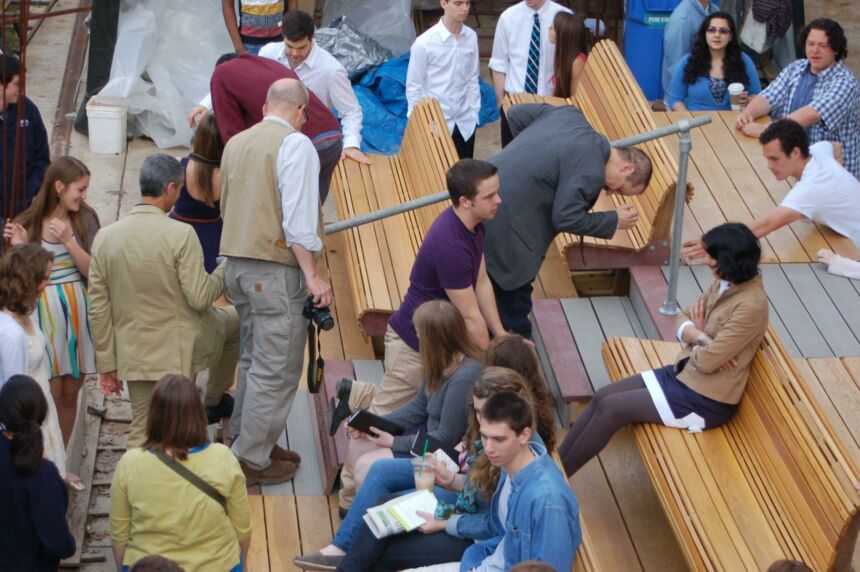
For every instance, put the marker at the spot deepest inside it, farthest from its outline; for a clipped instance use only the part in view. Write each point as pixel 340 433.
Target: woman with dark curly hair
pixel 721 333
pixel 25 271
pixel 701 78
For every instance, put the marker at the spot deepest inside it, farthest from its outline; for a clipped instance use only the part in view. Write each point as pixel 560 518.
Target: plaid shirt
pixel 836 98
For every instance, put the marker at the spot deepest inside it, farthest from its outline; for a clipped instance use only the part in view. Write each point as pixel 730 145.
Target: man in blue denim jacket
pixel 533 514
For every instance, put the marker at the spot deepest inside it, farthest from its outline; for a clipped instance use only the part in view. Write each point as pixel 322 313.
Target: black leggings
pixel 613 406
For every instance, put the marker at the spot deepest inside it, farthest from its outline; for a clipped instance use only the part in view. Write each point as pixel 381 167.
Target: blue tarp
pixel 382 95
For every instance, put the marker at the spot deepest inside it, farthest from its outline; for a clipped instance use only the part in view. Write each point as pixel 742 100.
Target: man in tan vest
pixel 272 239
pixel 151 299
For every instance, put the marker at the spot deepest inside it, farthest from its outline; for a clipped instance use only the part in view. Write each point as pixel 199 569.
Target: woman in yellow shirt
pixel 156 510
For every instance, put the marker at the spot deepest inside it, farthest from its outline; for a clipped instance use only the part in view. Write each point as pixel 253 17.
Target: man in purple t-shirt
pixel 449 266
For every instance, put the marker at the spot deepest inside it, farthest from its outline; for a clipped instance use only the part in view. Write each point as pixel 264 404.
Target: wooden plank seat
pixel 614 104
pixel 560 358
pixel 380 255
pixel 774 482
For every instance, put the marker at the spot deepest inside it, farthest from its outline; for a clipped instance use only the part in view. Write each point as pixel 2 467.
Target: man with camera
pixel 272 239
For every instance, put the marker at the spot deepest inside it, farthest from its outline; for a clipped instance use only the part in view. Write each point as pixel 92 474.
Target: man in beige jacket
pixel 151 299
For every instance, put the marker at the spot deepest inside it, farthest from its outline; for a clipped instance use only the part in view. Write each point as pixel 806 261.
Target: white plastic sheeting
pixel 389 22
pixel 164 57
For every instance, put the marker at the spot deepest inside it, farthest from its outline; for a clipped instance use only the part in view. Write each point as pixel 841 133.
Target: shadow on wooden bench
pixel 380 255
pixel 614 104
pixel 772 483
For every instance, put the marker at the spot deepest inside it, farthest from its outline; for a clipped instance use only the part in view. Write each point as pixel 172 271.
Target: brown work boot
pixel 277 472
pixel 279 454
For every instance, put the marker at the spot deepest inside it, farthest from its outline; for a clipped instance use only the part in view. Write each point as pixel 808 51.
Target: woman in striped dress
pixel 64 225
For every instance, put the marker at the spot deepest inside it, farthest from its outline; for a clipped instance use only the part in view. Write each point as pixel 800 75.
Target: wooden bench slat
pixel 772 483
pixel 282 531
pixel 567 370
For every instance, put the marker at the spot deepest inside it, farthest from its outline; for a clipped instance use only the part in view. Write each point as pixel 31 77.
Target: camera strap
pixel 316 363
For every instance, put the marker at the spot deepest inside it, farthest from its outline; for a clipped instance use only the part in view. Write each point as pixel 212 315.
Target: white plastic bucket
pixel 107 126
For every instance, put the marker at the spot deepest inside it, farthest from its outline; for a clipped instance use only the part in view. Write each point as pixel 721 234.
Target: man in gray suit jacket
pixel 551 176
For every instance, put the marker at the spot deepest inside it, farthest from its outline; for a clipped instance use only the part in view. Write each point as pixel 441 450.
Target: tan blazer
pixel 151 298
pixel 737 321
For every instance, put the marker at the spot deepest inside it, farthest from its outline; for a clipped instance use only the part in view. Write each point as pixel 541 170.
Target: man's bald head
pixel 287 91
pixel 288 99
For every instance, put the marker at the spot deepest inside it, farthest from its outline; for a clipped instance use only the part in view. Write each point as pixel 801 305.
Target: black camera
pixel 319 316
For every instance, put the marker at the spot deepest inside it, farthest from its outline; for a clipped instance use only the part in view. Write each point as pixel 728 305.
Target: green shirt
pixel 155 511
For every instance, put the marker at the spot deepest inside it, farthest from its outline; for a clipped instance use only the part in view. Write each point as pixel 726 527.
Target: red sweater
pixel 239 89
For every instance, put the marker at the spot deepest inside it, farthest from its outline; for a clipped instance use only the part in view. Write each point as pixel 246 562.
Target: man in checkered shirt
pixel 818 92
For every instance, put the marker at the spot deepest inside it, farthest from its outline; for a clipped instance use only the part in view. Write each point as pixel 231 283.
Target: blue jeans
pixel 385 477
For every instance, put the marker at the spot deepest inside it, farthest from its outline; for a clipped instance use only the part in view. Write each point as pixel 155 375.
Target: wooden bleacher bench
pixel 614 104
pixel 380 255
pixel 560 359
pixel 774 482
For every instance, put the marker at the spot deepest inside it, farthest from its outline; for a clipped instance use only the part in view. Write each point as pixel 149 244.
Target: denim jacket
pixel 543 518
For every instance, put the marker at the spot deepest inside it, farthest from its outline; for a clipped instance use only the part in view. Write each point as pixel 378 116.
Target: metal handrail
pixel 670 306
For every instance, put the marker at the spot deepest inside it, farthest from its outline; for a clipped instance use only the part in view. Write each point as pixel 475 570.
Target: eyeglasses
pixel 714 30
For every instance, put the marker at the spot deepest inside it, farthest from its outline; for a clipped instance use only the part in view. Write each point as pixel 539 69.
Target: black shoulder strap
pixel 189 476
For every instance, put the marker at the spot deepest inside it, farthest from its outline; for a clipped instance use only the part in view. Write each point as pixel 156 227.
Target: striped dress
pixel 62 316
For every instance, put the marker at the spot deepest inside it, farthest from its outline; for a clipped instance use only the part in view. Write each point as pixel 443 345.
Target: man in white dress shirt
pixel 443 64
pixel 522 59
pixel 272 239
pixel 319 71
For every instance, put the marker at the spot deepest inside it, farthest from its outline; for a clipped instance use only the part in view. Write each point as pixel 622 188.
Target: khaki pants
pixel 269 298
pixel 399 385
pixel 222 372
pixel 220 345
pixel 139 393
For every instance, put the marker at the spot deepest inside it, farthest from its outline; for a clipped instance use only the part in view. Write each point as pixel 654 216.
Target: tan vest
pixel 250 198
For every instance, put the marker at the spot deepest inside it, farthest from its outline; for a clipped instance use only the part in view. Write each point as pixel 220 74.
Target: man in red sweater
pixel 238 87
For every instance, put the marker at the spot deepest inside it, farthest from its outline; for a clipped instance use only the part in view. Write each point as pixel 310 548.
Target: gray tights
pixel 612 407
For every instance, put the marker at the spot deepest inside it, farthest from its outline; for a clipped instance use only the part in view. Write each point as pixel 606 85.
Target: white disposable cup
pixel 735 91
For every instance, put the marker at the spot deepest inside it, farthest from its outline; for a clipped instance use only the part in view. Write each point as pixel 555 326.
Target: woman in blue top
pixel 701 78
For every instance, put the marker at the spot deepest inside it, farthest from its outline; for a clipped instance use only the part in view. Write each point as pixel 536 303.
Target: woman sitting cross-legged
pixel 463 497
pixel 450 364
pixel 180 496
pixel 721 333
pixel 701 78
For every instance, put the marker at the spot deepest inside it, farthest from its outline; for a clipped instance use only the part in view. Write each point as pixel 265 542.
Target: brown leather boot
pixel 277 472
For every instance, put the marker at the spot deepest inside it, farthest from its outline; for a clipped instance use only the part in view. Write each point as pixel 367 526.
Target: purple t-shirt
pixel 449 257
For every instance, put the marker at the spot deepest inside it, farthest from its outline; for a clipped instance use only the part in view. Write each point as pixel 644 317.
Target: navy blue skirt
pixel 683 401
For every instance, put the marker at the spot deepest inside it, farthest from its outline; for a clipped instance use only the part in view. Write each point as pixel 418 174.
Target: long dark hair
pixel 570 41
pixel 699 63
pixel 23 409
pixel 65 170
pixel 207 146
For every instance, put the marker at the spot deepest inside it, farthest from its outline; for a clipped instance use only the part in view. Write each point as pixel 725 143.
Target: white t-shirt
pixel 827 193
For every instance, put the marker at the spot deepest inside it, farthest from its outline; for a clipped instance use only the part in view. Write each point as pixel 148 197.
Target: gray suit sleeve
pixel 573 199
pixel 523 115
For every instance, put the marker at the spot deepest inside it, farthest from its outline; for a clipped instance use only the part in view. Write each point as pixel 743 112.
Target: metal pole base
pixel 670 309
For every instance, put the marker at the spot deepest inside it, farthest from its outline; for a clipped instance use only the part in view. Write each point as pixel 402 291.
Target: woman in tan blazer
pixel 720 332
